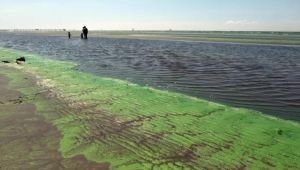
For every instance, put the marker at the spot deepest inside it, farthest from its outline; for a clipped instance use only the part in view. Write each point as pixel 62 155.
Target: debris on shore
pixel 5 61
pixel 20 60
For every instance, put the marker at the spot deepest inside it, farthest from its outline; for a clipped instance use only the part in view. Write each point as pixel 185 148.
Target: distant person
pixel 81 35
pixel 85 32
pixel 69 35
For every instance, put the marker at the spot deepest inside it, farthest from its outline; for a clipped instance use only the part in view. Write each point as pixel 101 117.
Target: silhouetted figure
pixel 69 35
pixel 81 35
pixel 85 32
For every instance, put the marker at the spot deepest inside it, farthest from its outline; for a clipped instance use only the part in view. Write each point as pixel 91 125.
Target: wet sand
pixel 27 140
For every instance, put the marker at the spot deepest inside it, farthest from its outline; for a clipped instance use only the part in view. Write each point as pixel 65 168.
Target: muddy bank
pixel 27 140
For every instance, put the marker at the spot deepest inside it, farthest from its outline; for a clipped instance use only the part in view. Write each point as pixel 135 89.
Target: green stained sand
pixel 27 140
pixel 135 127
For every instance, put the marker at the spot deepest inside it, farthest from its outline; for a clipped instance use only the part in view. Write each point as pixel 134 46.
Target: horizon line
pixel 137 30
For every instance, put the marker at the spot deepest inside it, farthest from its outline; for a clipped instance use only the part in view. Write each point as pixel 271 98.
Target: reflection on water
pixel 264 78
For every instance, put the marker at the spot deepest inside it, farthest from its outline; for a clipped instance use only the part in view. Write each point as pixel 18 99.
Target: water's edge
pixel 262 78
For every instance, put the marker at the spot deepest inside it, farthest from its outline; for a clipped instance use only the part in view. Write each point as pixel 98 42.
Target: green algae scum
pixel 115 124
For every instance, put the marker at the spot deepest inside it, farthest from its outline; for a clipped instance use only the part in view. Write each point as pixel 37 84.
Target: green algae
pixel 135 127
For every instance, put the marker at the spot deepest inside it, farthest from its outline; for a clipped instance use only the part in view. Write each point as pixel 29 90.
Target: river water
pixel 260 77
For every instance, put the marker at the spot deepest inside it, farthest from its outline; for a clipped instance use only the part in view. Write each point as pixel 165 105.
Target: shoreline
pixel 111 119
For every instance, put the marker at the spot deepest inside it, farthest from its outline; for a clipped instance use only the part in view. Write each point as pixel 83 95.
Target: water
pixel 259 77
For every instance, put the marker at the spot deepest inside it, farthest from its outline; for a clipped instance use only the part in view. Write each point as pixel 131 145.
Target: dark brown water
pixel 260 77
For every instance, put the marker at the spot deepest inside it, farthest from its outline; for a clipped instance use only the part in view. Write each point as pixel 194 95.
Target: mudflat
pixel 27 140
pixel 275 38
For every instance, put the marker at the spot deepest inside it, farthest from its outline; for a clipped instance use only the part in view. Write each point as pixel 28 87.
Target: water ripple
pixel 265 78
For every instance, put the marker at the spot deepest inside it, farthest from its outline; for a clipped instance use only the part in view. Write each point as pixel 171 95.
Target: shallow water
pixel 260 77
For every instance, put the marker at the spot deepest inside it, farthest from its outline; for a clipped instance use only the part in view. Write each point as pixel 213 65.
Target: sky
pixel 224 15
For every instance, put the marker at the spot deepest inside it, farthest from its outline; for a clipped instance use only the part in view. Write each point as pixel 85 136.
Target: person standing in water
pixel 69 35
pixel 85 32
